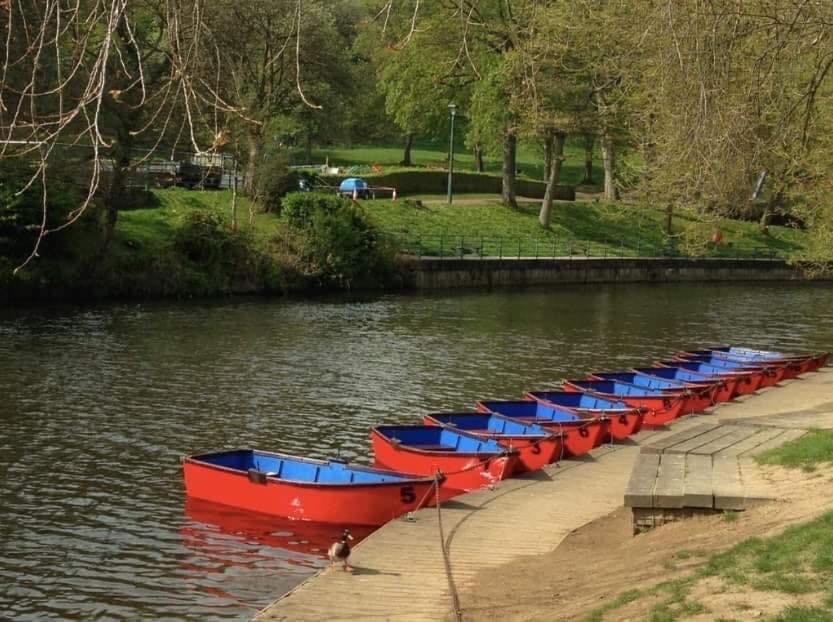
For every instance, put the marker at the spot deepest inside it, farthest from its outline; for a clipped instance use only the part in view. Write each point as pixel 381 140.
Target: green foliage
pixel 299 207
pixel 274 179
pixel 21 208
pixel 807 451
pixel 201 236
pixel 331 240
pixel 489 113
pixel 206 239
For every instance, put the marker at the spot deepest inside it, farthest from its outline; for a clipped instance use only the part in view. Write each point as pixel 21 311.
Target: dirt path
pixel 601 560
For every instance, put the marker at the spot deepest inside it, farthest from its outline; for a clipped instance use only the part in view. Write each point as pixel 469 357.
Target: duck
pixel 340 551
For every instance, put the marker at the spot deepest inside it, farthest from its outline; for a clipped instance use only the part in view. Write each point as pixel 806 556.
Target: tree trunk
pixel 770 208
pixel 478 158
pixel 255 144
pixel 548 139
pixel 589 141
pixel 118 183
pixel 609 160
pixel 234 192
pixel 508 182
pixel 406 157
pixel 553 177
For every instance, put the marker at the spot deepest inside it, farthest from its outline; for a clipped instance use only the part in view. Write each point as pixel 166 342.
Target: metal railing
pixel 468 246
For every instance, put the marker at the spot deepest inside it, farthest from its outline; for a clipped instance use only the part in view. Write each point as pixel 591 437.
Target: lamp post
pixel 452 107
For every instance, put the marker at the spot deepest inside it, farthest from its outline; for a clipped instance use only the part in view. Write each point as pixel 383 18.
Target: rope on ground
pixel 455 597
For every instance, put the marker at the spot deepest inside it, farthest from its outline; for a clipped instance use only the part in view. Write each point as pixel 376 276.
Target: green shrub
pixel 201 236
pixel 299 207
pixel 330 241
pixel 21 210
pixel 206 238
pixel 274 180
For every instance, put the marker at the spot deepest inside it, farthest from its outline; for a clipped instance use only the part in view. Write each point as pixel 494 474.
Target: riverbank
pixel 500 543
pixel 183 246
pixel 489 272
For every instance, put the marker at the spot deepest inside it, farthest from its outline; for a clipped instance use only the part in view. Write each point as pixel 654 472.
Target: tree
pixel 285 58
pixel 737 90
pixel 554 97
pixel 416 91
pixel 105 77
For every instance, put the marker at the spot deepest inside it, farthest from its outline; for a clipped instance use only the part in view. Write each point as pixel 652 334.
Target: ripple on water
pixel 100 403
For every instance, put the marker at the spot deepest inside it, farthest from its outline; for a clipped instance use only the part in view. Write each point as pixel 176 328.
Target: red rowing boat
pixel 466 462
pixel 580 434
pixel 303 488
pixel 661 408
pixel 537 447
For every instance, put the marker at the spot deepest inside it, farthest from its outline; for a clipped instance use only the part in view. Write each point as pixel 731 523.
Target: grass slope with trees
pixel 685 118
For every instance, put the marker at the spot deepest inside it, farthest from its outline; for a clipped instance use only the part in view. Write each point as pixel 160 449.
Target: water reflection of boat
pixel 250 527
pixel 247 559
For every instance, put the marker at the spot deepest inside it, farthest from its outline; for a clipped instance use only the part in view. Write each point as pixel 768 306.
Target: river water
pixel 98 403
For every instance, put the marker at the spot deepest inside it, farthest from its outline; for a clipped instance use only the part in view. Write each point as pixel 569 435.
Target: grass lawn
pixel 484 226
pixel 154 227
pixel 530 160
pixel 475 224
pixel 806 452
pixel 798 562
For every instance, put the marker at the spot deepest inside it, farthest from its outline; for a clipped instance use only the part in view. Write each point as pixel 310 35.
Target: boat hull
pixel 534 453
pixel 579 437
pixel 617 425
pixel 659 410
pixel 748 380
pixel 372 504
pixel 771 372
pixel 697 398
pixel 462 472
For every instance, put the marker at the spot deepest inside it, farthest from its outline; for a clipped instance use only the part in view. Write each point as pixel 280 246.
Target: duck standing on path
pixel 340 551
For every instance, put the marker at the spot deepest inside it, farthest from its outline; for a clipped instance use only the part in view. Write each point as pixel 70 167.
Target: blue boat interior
pixel 718 362
pixel 528 409
pixel 298 470
pixel 435 438
pixel 615 388
pixel 572 399
pixel 640 380
pixel 486 422
pixel 705 368
pixel 671 373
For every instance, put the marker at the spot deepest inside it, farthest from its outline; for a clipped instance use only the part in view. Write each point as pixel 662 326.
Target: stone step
pixel 661 445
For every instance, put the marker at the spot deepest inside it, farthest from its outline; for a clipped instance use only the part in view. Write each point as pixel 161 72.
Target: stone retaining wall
pixel 453 273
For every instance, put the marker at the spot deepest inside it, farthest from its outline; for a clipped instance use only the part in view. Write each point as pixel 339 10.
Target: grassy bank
pixel 806 453
pixel 484 226
pixel 364 159
pixel 154 253
pixel 795 566
pixel 796 563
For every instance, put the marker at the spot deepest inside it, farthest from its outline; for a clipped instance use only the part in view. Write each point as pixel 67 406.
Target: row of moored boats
pixel 451 453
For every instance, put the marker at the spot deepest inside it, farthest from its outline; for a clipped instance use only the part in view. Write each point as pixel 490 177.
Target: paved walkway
pixel 400 571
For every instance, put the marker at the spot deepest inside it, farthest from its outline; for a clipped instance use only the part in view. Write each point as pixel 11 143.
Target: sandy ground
pixel 603 559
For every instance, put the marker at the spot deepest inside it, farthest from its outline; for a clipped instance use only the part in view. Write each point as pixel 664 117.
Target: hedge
pixel 434 182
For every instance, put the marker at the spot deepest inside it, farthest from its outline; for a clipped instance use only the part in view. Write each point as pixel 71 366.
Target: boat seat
pixel 437 447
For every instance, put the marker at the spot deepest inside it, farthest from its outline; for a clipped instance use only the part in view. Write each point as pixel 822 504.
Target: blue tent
pixel 354 183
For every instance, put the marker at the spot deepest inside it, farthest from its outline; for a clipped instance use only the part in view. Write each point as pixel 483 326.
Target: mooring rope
pixel 452 587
